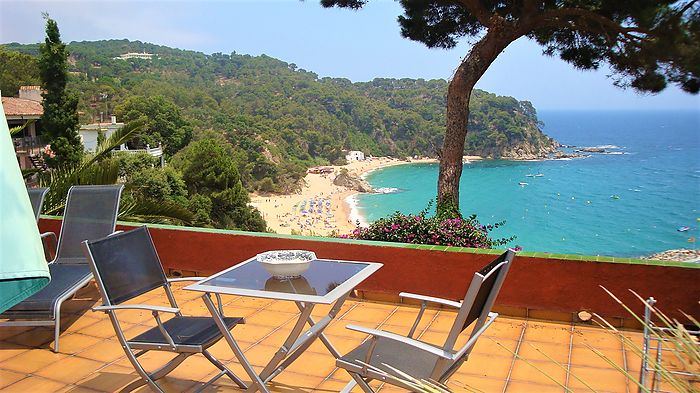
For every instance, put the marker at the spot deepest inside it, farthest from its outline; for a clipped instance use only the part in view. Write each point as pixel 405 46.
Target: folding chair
pixel 419 359
pixel 36 198
pixel 90 213
pixel 125 266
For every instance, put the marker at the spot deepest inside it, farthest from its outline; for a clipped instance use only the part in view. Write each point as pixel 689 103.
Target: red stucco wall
pixel 533 283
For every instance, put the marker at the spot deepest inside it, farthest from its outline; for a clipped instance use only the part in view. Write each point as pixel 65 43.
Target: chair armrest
pixel 47 234
pixel 179 279
pixel 475 335
pixel 137 307
pixel 431 299
pixel 404 340
pixel 45 244
pixel 115 233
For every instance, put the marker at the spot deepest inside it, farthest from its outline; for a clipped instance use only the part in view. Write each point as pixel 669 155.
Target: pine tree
pixel 60 118
pixel 648 44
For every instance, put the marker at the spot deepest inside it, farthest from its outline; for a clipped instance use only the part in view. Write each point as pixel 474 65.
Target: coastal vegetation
pixel 278 119
pixel 647 44
pixel 423 229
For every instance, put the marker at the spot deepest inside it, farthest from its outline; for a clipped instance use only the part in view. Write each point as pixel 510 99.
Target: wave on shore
pixel 355 215
pixel 386 190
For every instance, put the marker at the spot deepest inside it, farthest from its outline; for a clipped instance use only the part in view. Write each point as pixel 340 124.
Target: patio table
pixel 325 282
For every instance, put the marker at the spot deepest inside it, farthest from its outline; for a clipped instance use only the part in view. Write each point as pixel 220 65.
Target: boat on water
pixel 534 175
pixel 522 183
pixel 683 229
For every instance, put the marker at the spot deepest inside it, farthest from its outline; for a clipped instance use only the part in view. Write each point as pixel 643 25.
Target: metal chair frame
pixel 17 320
pixel 654 338
pixel 448 360
pixel 134 349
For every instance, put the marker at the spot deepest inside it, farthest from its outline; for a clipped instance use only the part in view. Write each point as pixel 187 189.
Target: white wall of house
pixel 355 155
pixel 88 133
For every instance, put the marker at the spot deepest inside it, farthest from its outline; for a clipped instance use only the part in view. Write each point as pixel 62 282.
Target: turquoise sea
pixel 629 203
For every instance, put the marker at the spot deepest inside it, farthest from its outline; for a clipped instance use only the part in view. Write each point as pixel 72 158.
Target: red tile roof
pixel 21 107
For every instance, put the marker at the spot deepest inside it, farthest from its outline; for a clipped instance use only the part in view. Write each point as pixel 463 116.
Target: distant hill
pixel 282 119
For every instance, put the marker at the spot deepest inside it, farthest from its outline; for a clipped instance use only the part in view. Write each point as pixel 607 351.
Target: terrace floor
pixel 91 358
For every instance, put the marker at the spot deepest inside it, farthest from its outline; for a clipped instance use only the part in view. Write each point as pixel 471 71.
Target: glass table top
pixel 324 280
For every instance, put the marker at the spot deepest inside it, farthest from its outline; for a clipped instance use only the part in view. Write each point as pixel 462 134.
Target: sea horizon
pixel 633 201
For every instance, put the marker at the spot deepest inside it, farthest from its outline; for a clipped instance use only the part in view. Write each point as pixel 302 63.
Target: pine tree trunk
pixel 459 93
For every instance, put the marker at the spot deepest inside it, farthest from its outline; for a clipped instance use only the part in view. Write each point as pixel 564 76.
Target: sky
pixel 358 45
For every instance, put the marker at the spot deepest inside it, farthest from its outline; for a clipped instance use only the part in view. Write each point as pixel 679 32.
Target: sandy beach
pixel 320 208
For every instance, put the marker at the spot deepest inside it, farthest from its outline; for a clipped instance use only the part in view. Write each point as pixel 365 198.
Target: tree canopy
pixel 60 118
pixel 647 43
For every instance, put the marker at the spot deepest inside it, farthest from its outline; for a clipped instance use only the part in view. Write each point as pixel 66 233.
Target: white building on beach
pixel 355 155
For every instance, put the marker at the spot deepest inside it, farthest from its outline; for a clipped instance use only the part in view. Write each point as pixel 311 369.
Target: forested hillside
pixel 279 119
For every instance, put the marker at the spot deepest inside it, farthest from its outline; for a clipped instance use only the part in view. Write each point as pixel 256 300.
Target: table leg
pixel 331 314
pixel 300 344
pixel 257 383
pixel 288 345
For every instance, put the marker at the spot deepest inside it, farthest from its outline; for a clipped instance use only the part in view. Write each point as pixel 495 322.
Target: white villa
pixel 355 155
pixel 135 55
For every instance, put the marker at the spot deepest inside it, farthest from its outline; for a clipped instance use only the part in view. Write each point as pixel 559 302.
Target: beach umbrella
pixel 23 269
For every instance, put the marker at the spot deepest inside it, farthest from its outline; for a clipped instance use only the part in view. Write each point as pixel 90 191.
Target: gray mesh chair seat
pixel 126 266
pixel 65 279
pixel 382 351
pixel 90 213
pixel 399 355
pixel 186 331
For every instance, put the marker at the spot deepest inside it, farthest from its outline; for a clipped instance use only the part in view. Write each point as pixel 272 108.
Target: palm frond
pixel 18 129
pixel 144 210
pixel 119 137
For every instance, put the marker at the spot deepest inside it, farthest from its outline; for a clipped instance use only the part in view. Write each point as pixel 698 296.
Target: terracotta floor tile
pixel 195 368
pixel 270 318
pixel 545 373
pixel 341 344
pixel 505 328
pixel 73 325
pixel 99 363
pixel 9 350
pixel 74 343
pixel 588 358
pixel 406 318
pixel 608 380
pixel 474 383
pixel 39 337
pixel 540 351
pixel 526 387
pixel 70 369
pixel 32 360
pixel 169 384
pixel 330 386
pixel 109 379
pixel 103 329
pixel 34 384
pixel 105 351
pixel 495 346
pixel 313 364
pixel 292 382
pixel 9 331
pixel 547 333
pixel 364 315
pixel 150 361
pixel 9 377
pixel 443 321
pixel 596 338
pixel 259 355
pixel 251 333
pixel 487 366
